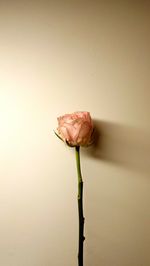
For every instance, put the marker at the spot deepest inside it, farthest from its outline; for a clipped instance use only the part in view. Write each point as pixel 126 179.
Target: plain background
pixel 58 57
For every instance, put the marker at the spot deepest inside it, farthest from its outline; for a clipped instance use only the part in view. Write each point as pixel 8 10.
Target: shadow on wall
pixel 122 145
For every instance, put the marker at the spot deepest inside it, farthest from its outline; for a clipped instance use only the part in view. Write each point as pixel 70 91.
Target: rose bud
pixel 75 129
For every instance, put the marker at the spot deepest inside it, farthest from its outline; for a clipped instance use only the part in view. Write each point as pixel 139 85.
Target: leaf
pixel 58 135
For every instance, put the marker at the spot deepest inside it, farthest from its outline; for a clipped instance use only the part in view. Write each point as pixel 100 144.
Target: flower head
pixel 75 129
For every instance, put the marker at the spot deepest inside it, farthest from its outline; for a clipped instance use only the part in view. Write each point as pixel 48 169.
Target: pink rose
pixel 76 128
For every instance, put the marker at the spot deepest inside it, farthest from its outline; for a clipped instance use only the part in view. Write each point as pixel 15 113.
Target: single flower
pixel 75 129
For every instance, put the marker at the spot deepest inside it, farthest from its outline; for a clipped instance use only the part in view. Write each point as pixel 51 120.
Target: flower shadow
pixel 122 145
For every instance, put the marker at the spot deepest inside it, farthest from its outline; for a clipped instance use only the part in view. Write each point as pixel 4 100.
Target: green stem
pixel 80 207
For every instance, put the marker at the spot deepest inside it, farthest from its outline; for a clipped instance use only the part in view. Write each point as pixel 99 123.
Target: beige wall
pixel 58 57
